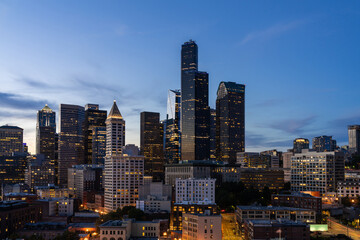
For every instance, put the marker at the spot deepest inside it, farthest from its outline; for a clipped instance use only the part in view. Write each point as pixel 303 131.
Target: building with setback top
pixel 45 133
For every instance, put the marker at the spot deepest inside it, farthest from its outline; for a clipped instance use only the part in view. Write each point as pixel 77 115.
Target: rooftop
pixel 114 223
pixel 274 208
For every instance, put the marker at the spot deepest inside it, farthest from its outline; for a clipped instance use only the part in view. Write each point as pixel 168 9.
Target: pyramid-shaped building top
pixel 115 112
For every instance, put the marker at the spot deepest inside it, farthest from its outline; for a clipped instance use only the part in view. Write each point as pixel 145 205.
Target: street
pixel 337 228
pixel 228 227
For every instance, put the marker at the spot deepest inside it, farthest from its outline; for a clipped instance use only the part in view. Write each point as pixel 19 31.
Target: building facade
pixel 300 144
pixel 297 200
pixel 71 139
pixel 323 144
pixel 154 197
pixel 11 140
pixel 230 121
pixel 195 111
pixel 40 171
pixel 151 144
pixel 260 178
pixel 354 138
pixel 201 226
pixel 253 160
pixel 98 145
pixel 195 191
pixel 45 133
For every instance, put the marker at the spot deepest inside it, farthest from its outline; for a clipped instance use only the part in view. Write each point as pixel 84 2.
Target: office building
pixel 71 139
pixel 45 133
pixel 195 191
pixel 82 178
pixel 57 206
pixel 154 197
pixel 354 138
pixel 98 145
pixel 253 160
pixel 40 171
pixel 123 174
pixel 244 213
pixel 276 229
pixel 51 191
pixel 94 118
pixel 212 135
pixel 15 214
pixel 230 121
pixel 45 230
pixel 260 178
pixel 12 169
pixel 297 200
pixel 323 144
pixel 11 140
pixel 151 145
pixel 317 171
pixel 300 144
pixel 348 188
pixel 201 226
pixel 195 111
pixel 172 130
pixel 131 150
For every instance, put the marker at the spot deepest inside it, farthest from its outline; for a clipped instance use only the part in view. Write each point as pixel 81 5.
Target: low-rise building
pixel 244 213
pixel 51 191
pixel 154 197
pixel 57 206
pixel 259 178
pixel 15 214
pixel 46 230
pixel 276 229
pixel 349 188
pixel 27 197
pixel 297 200
pixel 201 226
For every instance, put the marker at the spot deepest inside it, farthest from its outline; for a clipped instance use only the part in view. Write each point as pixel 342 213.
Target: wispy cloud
pixel 16 101
pixel 293 126
pixel 271 31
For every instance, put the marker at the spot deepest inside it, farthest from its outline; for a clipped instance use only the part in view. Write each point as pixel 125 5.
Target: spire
pixel 114 112
pixel 46 108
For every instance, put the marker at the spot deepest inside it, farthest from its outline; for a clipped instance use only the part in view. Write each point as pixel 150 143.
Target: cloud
pixel 260 142
pixel 17 101
pixel 271 31
pixel 293 126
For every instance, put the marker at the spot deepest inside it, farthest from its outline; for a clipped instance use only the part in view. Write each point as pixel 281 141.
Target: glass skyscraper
pixel 230 121
pixel 300 144
pixel 45 133
pixel 195 112
pixel 172 127
pixel 354 138
pixel 71 139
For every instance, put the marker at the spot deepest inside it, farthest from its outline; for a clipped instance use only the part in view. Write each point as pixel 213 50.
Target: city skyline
pixel 299 69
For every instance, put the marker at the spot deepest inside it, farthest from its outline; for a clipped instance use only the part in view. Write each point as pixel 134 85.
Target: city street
pixel 337 228
pixel 228 227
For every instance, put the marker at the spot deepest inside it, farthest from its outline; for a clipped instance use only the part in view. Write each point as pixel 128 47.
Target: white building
pixel 195 191
pixel 123 174
pixel 154 197
pixel 316 171
pixel 201 226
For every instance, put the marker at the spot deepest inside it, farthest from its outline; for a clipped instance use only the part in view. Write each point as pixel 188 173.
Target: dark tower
pixel 45 133
pixel 230 121
pixel 195 112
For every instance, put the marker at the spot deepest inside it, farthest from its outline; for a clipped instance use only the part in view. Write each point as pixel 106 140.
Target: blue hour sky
pixel 300 61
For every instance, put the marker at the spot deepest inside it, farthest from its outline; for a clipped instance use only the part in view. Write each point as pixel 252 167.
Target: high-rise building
pixel 212 135
pixel 131 150
pixel 93 118
pixel 195 111
pixel 230 121
pixel 323 144
pixel 317 171
pixel 300 144
pixel 71 139
pixel 40 171
pixel 11 140
pixel 12 169
pixel 151 145
pixel 123 174
pixel 172 129
pixel 85 177
pixel 354 138
pixel 98 145
pixel 45 133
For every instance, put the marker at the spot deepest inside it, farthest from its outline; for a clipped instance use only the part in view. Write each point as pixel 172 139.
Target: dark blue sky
pixel 300 60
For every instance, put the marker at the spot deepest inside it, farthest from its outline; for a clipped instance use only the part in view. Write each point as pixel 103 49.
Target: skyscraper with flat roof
pixel 71 139
pixel 300 144
pixel 195 111
pixel 151 145
pixel 324 144
pixel 45 133
pixel 11 140
pixel 230 121
pixel 354 138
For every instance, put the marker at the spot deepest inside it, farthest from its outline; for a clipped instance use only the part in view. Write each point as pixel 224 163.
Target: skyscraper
pixel 300 144
pixel 212 134
pixel 230 121
pixel 98 145
pixel 45 133
pixel 71 139
pixel 11 140
pixel 151 145
pixel 123 174
pixel 93 118
pixel 172 131
pixel 323 144
pixel 195 111
pixel 354 138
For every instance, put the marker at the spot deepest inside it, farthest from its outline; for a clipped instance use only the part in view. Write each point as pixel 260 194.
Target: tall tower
pixel 151 144
pixel 11 140
pixel 354 138
pixel 71 139
pixel 123 173
pixel 195 111
pixel 45 133
pixel 230 121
